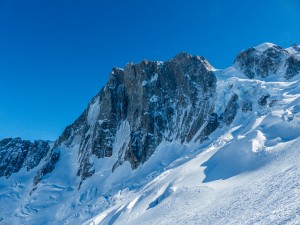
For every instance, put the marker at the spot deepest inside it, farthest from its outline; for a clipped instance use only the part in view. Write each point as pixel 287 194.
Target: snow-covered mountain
pixel 175 142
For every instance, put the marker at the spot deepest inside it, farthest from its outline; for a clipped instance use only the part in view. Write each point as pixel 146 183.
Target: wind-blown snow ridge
pixel 264 46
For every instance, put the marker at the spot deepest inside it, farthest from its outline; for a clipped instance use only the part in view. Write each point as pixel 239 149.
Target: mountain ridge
pixel 151 115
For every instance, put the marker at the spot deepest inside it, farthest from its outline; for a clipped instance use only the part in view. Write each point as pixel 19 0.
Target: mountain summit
pixel 147 103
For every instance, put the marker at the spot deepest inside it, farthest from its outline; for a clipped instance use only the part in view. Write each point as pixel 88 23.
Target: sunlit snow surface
pixel 248 173
pixel 264 46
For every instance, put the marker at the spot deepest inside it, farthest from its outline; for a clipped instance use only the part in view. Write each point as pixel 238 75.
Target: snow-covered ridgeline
pixel 249 128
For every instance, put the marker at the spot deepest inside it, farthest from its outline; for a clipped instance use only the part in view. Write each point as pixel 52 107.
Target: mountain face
pixel 268 59
pixel 153 101
pixel 144 140
pixel 16 154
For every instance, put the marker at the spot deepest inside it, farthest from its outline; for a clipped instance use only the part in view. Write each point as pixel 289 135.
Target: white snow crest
pixel 264 46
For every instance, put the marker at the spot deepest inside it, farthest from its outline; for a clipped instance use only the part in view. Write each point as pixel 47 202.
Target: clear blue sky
pixel 55 55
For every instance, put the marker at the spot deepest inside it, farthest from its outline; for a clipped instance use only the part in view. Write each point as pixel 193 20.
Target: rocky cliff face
pixel 269 59
pixel 155 101
pixel 16 154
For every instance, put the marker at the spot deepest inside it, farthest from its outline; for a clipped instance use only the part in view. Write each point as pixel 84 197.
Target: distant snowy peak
pixel 269 61
pixel 183 56
pixel 294 49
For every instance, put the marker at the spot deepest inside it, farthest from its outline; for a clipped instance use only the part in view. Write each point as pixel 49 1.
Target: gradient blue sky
pixel 55 55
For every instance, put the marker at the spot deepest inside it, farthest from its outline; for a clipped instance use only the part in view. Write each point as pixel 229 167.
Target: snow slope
pixel 269 194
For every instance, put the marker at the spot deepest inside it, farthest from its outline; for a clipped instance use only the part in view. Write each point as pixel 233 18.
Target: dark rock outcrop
pixel 16 154
pixel 263 100
pixel 255 62
pixel 293 66
pixel 231 110
pixel 48 167
pixel 247 106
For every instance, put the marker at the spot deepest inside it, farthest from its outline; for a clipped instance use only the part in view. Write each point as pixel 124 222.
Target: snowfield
pixel 247 173
pixel 265 195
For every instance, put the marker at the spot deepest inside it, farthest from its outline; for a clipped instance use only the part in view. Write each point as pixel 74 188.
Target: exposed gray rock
pixel 16 153
pixel 256 63
pixel 263 100
pixel 261 64
pixel 231 110
pixel 48 167
pixel 211 125
pixel 247 106
pixel 293 66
